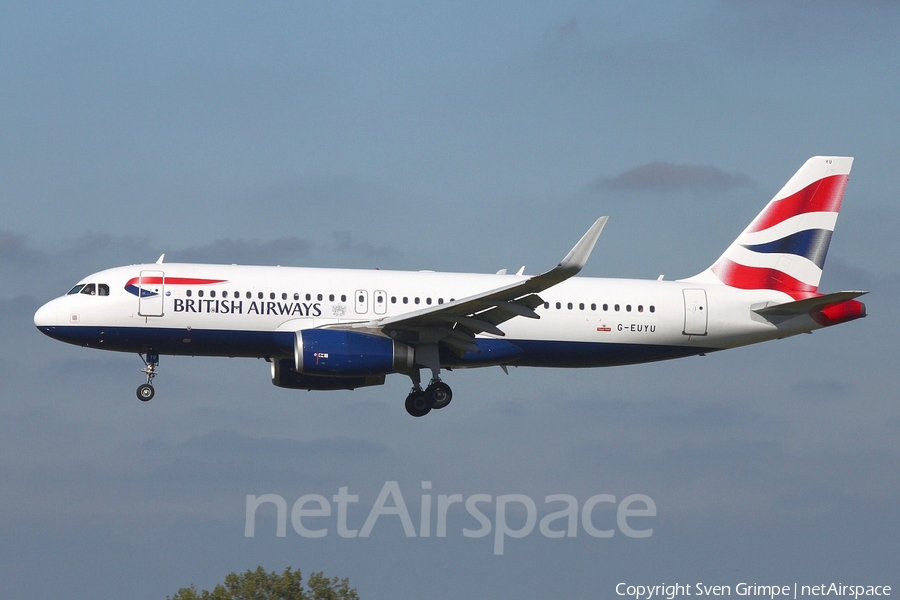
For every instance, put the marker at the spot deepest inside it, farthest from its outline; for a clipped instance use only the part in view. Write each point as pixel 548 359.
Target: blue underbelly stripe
pixel 280 344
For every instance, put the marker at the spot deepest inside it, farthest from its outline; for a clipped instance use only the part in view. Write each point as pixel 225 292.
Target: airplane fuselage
pixel 254 311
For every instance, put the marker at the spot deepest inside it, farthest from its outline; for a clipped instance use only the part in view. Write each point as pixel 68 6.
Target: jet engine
pixel 342 353
pixel 284 375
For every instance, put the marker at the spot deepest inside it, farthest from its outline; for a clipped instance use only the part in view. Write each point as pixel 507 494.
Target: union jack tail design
pixel 784 247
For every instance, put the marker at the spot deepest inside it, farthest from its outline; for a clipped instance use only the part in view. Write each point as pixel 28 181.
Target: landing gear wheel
pixel 151 363
pixel 145 392
pixel 417 404
pixel 440 394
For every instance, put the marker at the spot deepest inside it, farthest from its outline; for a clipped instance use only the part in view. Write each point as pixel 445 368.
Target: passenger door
pixel 151 292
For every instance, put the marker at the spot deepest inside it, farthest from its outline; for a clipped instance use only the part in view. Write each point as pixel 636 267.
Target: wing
pixel 456 323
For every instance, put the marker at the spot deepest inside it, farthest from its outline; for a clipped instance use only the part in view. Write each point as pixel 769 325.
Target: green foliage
pixel 261 585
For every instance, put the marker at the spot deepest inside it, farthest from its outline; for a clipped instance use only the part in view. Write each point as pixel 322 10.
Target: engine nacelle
pixel 341 353
pixel 284 375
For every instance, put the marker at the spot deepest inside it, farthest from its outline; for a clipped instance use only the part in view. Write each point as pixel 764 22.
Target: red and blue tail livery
pixel 784 248
pixel 341 329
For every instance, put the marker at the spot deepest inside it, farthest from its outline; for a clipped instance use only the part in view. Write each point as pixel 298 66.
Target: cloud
pixel 13 246
pixel 345 242
pixel 660 176
pixel 46 270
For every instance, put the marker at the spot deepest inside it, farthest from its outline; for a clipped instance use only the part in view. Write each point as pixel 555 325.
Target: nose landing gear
pixel 151 363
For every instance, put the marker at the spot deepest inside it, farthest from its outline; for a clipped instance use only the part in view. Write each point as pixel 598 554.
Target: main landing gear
pixel 436 396
pixel 151 363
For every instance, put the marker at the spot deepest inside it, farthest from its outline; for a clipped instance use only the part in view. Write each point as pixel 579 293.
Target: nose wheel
pixel 145 391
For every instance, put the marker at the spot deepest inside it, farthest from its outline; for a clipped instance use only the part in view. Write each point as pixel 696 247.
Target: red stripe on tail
pixel 824 195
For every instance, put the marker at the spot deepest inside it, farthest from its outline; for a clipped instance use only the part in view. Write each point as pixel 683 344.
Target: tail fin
pixel 784 247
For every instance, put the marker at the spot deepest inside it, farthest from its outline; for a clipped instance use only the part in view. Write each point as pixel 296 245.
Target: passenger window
pixel 558 306
pixel 593 306
pixel 331 297
pixel 260 295
pixel 200 293
pixel 581 306
pixel 628 308
pixel 249 295
pixel 652 308
pixel 640 308
pixel 212 294
pixel 319 297
pixel 343 297
pixel 284 295
pixel 296 296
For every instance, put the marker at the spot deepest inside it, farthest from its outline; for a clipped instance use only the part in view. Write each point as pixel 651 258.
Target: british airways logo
pixel 139 285
pixel 239 307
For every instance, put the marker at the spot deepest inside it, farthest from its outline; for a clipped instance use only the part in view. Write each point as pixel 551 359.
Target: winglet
pixel 578 256
pixel 574 260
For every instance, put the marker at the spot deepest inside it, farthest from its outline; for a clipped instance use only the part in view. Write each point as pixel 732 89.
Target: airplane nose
pixel 45 316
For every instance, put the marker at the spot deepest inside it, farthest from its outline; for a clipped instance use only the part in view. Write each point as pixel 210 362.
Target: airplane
pixel 331 329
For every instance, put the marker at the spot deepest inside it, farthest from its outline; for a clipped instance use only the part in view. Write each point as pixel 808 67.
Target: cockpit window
pixel 90 289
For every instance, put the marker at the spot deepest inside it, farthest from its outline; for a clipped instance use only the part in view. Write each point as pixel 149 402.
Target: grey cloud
pixel 660 176
pixel 13 247
pixel 48 270
pixel 346 242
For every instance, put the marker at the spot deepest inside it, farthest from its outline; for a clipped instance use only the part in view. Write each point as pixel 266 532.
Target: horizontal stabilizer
pixel 802 307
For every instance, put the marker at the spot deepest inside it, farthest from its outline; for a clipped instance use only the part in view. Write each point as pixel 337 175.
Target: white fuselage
pixel 231 310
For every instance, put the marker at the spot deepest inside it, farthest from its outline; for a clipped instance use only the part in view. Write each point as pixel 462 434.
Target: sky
pixel 472 137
